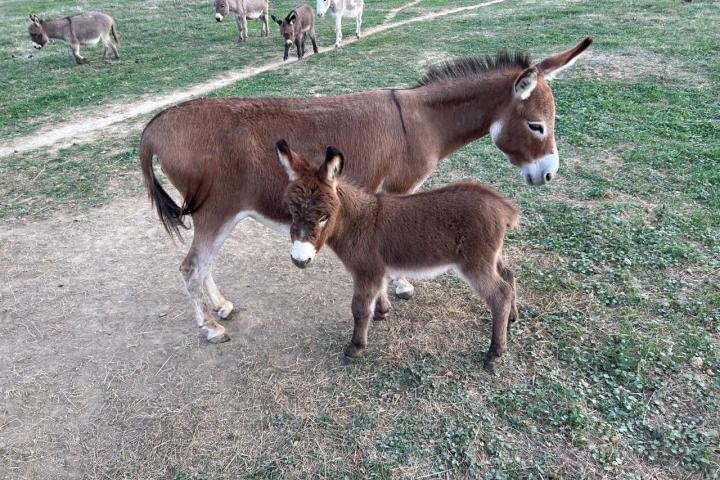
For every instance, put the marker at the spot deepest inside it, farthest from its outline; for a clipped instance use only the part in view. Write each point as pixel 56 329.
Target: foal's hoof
pixel 345 360
pixel 490 363
pixel 225 311
pixel 380 315
pixel 352 352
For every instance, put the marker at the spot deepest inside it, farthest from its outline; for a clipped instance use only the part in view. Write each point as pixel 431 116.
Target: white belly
pixel 419 273
pixel 277 227
pixel 92 41
pixel 254 15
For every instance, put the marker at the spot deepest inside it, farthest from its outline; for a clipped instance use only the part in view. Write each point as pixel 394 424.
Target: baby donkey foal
pixel 460 227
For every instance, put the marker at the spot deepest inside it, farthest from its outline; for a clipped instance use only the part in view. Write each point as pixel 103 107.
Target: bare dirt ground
pixel 103 370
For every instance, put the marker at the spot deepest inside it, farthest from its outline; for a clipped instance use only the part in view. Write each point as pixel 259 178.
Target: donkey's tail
pixel 171 215
pixel 115 33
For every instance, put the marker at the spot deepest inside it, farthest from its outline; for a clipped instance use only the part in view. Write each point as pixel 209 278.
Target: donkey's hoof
pixel 514 316
pixel 221 337
pixel 380 316
pixel 404 293
pixel 226 309
pixel 345 360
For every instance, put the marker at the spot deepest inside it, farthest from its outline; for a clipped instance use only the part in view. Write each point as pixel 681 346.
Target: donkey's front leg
pixel 358 23
pixel 363 304
pixel 338 30
pixel 79 59
pixel 239 21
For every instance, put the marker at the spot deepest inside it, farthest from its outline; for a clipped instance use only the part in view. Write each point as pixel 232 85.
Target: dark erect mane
pixel 468 66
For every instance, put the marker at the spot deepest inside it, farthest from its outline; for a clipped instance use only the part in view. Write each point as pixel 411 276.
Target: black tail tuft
pixel 171 215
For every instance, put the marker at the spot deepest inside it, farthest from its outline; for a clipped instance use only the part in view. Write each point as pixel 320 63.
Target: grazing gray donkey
pixel 244 9
pixel 296 25
pixel 81 29
pixel 340 9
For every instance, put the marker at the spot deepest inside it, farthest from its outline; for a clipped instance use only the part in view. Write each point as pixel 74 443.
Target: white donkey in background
pixel 340 9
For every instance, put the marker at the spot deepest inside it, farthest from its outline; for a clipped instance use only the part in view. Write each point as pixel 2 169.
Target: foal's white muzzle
pixel 542 170
pixel 302 253
pixel 218 17
pixel 37 45
pixel 288 42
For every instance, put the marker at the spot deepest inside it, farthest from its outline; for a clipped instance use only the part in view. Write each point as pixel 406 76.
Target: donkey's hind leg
pixel 220 304
pixel 498 294
pixel 382 305
pixel 509 277
pixel 194 270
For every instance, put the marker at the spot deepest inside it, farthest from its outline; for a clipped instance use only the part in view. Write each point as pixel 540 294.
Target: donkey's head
pixel 312 200
pixel 322 7
pixel 287 26
pixel 222 9
pixel 37 33
pixel 524 129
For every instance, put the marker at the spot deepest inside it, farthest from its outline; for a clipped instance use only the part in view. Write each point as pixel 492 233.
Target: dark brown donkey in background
pixel 220 153
pixel 459 226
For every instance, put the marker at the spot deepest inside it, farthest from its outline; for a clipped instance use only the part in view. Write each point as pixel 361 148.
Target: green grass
pixel 613 371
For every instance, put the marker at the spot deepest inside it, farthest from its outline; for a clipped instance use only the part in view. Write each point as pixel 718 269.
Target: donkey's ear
pixel 526 83
pixel 332 168
pixel 274 18
pixel 291 18
pixel 34 18
pixel 551 66
pixel 290 161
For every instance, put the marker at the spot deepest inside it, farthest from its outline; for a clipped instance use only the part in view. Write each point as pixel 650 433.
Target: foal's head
pixel 287 26
pixel 311 199
pixel 525 128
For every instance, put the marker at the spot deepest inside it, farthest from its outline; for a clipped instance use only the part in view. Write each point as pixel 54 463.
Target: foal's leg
pixel 498 294
pixel 358 23
pixel 194 269
pixel 264 32
pixel 363 303
pixel 509 277
pixel 382 305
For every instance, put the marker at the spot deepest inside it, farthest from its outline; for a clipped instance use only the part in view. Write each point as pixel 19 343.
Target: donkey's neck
pixel 358 211
pixel 459 111
pixel 57 28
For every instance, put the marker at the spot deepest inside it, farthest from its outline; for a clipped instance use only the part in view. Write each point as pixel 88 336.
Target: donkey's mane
pixel 470 66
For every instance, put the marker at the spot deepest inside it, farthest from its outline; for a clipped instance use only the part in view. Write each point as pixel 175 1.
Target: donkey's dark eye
pixel 324 219
pixel 536 127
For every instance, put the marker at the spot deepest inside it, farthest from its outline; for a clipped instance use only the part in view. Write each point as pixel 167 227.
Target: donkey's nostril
pixel 548 176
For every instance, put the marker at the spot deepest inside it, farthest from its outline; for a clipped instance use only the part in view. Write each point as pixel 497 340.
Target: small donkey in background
pixel 244 9
pixel 460 227
pixel 342 9
pixel 296 25
pixel 81 29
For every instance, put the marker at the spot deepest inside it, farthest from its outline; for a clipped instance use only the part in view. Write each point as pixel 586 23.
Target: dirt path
pixel 103 370
pixel 89 128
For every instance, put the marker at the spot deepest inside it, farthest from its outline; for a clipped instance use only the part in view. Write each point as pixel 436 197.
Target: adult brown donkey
pixel 220 153
pixel 458 227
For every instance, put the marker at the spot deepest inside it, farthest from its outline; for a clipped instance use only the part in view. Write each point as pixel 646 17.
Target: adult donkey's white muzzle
pixel 37 45
pixel 302 253
pixel 218 17
pixel 542 170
